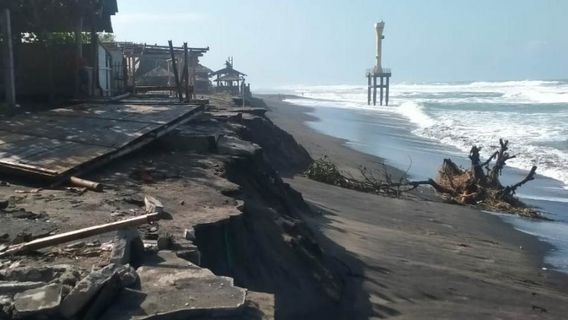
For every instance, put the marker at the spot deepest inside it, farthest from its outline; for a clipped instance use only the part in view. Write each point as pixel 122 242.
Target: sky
pixel 322 42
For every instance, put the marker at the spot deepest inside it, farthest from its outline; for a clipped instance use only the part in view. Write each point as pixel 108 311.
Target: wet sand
pixel 414 259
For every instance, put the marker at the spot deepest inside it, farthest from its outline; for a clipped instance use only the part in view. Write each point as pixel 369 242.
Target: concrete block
pixel 128 248
pixel 44 300
pixel 86 290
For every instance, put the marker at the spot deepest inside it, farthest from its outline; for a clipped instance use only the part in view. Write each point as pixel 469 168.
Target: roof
pixel 229 78
pixel 228 71
pixel 202 69
pixel 142 48
pixel 61 16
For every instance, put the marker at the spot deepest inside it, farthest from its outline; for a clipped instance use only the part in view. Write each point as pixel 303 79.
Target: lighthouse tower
pixel 378 71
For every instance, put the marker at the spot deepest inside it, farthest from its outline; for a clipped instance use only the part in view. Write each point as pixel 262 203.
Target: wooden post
pixel 381 91
pixel 369 89
pixel 387 95
pixel 95 59
pixel 194 60
pixel 186 70
pixel 176 75
pixel 9 72
pixel 374 89
pixel 78 55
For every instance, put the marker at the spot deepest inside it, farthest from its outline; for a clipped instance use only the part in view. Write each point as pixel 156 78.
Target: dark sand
pixel 413 259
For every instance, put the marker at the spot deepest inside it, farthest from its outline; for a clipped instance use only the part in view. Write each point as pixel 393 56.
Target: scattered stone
pixel 4 204
pixel 128 248
pixel 164 241
pixel 70 277
pixel 128 276
pixel 45 300
pixel 153 205
pixel 189 234
pixel 6 307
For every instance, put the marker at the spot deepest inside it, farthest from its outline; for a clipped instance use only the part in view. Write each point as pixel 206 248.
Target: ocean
pixel 426 123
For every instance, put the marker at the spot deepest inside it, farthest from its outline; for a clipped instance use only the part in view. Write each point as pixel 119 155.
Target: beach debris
pixel 43 300
pixel 83 183
pixel 479 185
pixel 79 234
pixel 153 205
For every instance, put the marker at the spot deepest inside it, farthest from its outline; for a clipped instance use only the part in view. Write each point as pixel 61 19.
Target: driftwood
pixel 478 185
pixel 83 183
pixel 79 234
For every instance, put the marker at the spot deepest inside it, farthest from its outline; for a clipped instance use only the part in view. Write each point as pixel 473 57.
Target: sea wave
pixel 514 92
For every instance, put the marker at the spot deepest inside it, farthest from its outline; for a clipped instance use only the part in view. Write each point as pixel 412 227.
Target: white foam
pixel 416 114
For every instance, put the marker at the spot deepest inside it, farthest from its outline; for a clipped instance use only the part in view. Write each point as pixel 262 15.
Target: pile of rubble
pixel 143 277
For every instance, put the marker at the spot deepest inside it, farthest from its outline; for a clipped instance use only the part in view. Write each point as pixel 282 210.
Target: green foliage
pixel 65 38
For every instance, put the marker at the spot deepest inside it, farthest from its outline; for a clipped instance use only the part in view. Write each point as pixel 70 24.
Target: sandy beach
pixel 417 259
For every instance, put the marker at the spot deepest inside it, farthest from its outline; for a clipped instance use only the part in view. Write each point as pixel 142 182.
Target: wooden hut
pixel 228 79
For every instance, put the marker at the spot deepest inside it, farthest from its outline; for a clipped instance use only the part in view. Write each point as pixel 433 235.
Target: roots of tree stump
pixel 480 184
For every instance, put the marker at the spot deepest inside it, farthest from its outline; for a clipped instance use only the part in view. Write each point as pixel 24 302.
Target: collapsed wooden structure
pixel 60 143
pixel 151 67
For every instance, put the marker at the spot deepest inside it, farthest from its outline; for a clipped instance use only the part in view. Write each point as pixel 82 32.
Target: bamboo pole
pixel 79 234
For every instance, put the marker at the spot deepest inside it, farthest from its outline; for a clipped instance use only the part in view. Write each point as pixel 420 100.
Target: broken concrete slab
pixel 35 274
pixel 232 145
pixel 172 288
pixel 104 298
pixel 45 300
pixel 86 289
pixel 13 287
pixel 128 248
